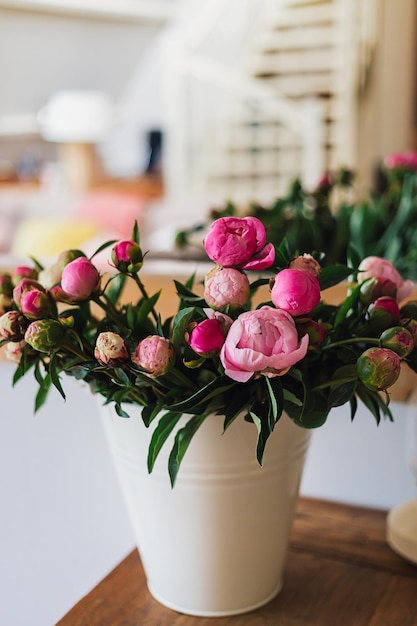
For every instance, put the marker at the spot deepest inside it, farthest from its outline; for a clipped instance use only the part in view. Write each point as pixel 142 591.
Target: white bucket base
pixel 216 544
pixel 238 611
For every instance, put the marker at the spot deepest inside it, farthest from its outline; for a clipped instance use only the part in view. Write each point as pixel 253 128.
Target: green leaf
pixel 53 371
pixel 292 398
pixel 340 394
pixel 187 296
pixel 333 275
pixel 161 433
pixel 369 400
pixel 353 407
pixel 181 321
pixel 103 247
pixel 116 287
pixel 276 396
pixel 346 306
pixel 136 233
pixel 149 413
pixel 212 389
pixel 120 412
pixel 181 443
pixel 145 307
pixel 42 393
pixel 283 254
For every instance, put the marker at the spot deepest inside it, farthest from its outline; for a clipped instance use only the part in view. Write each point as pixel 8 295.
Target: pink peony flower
pixel 264 341
pixel 110 349
pixel 80 279
pixel 226 286
pixel 207 337
pixel 239 242
pixel 395 160
pixel 155 355
pixel 381 269
pixel 295 291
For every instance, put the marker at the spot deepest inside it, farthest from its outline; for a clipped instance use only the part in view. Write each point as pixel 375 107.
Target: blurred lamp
pixel 76 120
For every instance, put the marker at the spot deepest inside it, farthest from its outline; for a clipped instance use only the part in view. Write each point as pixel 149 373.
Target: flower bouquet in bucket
pixel 220 353
pixel 252 358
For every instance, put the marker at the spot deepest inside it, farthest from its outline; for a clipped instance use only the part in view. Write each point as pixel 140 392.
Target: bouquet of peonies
pixel 235 347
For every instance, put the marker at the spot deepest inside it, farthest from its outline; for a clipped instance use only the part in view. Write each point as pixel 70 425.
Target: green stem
pixel 345 342
pixel 330 383
pixel 144 294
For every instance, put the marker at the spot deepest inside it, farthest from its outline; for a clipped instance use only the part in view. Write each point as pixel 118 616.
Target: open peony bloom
pixel 381 269
pixel 239 242
pixel 296 291
pixel 263 341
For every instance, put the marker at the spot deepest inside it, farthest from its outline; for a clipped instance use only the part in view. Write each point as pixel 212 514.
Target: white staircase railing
pixel 208 92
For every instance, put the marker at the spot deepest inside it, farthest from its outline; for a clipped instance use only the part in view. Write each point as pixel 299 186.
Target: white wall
pixel 63 524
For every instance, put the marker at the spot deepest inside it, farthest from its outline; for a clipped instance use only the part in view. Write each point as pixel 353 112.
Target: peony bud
pixel 378 368
pixel 374 288
pixel 384 313
pixel 398 339
pixel 13 350
pixel 35 304
pixel 382 269
pixel 207 337
pixel 23 286
pixel 111 349
pixel 45 335
pixel 226 286
pixel 127 257
pixel 306 262
pixel 155 355
pixel 295 291
pixel 411 326
pixel 80 279
pixel 23 271
pixel 12 326
pixel 66 257
pixel 314 330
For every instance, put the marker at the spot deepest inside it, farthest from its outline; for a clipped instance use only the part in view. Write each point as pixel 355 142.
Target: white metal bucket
pixel 215 544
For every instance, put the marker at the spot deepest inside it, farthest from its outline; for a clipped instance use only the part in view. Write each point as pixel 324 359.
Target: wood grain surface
pixel 340 572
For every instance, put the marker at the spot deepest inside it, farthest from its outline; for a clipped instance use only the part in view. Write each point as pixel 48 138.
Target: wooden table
pixel 340 572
